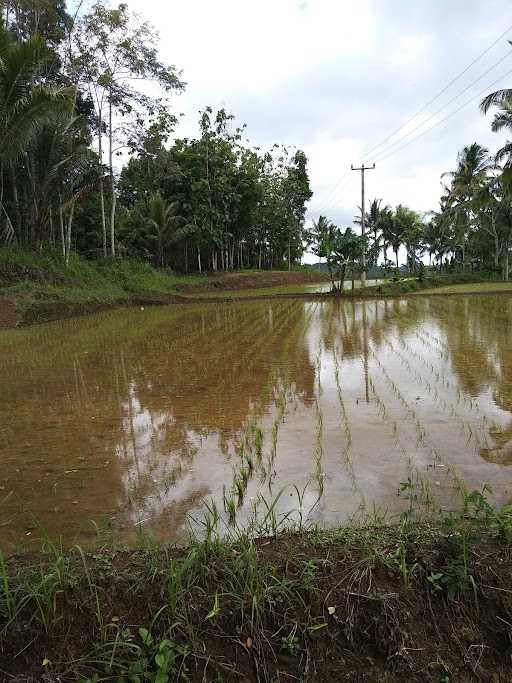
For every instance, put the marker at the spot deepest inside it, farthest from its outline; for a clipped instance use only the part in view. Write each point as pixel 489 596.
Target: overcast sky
pixel 336 77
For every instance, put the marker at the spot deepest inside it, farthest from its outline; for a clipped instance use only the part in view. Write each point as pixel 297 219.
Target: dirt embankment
pixel 253 280
pixel 31 307
pixel 287 609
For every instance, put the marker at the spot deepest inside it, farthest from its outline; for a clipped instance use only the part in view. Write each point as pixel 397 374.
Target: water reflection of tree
pixel 350 326
pixel 474 331
pixel 478 331
pixel 132 396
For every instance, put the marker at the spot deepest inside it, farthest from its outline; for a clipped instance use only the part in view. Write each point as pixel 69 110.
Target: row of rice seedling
pixel 423 381
pixel 422 439
pixel 345 422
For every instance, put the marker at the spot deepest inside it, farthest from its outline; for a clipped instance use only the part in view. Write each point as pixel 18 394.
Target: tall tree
pixel 296 193
pixel 110 51
pixel 473 165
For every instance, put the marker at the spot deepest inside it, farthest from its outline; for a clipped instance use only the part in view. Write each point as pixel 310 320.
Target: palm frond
pixel 495 99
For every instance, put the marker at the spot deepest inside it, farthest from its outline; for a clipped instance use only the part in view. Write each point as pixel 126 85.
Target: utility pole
pixel 363 168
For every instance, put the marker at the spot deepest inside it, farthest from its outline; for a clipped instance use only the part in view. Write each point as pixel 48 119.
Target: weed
pixel 142 658
pixel 290 643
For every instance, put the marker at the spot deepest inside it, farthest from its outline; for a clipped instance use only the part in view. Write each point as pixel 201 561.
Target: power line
pixel 342 183
pixel 427 104
pixel 449 116
pixel 390 151
pixel 447 104
pixel 441 92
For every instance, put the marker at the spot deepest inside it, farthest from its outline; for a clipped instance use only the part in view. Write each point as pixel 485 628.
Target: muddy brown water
pixel 131 420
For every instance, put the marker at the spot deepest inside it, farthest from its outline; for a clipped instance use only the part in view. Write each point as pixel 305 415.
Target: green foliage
pixel 239 207
pixel 342 249
pixel 141 657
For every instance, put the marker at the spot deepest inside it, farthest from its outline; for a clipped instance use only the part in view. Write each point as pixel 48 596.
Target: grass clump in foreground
pixel 421 600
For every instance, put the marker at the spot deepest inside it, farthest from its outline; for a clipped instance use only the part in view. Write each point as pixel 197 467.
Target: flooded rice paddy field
pixel 132 419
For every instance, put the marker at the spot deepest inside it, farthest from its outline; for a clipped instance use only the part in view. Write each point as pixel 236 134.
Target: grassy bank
pixel 39 287
pixel 471 283
pixel 420 600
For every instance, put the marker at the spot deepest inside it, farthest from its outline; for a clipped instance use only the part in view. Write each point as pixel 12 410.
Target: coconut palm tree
pixel 503 120
pixel 386 226
pixel 407 230
pixel 473 166
pixel 166 226
pixel 496 98
pixel 373 216
pixel 24 107
pixel 59 168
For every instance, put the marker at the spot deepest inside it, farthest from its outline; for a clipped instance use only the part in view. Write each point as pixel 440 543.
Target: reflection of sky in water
pixel 135 418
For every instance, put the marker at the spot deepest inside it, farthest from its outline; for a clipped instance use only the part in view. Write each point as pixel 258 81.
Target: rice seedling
pixel 240 489
pixel 318 456
pixel 258 441
pixel 345 423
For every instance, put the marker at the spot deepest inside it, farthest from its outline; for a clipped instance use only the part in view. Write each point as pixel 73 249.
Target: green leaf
pixel 215 610
pixel 146 637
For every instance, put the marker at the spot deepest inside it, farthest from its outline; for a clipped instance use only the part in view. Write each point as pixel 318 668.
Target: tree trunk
pixel 9 229
pixel 289 257
pixel 199 260
pixel 52 233
pixel 341 274
pixel 17 209
pixel 396 257
pixel 102 189
pixel 112 182
pixel 61 225
pixel 68 236
pixel 160 250
pixel 331 275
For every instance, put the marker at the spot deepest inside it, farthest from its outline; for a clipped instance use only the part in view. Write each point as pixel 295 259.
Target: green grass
pixel 451 283
pixel 472 288
pixel 45 288
pixel 338 599
pixel 127 275
pixel 257 291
